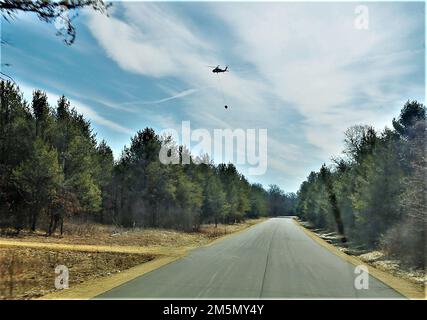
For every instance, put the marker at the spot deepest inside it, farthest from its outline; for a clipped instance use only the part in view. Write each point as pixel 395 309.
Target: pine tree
pixel 38 179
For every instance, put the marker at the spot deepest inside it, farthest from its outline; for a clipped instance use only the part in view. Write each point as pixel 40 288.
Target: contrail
pixel 176 96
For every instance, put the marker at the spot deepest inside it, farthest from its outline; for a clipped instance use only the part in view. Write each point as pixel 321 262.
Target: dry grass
pixel 212 232
pixel 96 234
pixel 28 272
pixel 380 260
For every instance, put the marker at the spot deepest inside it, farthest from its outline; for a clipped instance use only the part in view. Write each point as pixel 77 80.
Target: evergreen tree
pixel 38 179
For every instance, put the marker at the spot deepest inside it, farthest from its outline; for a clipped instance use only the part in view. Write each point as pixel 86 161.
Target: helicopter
pixel 217 69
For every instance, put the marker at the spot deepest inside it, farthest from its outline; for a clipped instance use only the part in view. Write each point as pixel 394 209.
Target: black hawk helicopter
pixel 218 70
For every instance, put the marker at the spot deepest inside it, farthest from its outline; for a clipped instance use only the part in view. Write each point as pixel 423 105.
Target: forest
pixel 374 196
pixel 53 171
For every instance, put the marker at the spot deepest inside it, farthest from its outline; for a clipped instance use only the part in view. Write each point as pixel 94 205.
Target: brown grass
pixel 97 234
pixel 29 273
pixel 27 261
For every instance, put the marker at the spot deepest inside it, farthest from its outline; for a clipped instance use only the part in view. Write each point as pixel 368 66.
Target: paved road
pixel 274 259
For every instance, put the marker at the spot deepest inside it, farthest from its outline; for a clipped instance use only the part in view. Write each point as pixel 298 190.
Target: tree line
pixel 374 196
pixel 53 169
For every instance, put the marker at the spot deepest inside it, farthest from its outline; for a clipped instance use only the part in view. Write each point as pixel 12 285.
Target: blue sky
pixel 300 70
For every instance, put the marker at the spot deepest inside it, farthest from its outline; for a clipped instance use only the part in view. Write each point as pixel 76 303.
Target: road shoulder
pixel 404 287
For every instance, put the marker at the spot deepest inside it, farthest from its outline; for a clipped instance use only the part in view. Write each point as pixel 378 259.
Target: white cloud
pixel 153 41
pixel 308 52
pixel 156 42
pixel 307 61
pixel 132 55
pixel 98 119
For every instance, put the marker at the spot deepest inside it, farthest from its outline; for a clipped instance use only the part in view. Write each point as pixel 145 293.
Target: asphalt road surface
pixel 274 259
